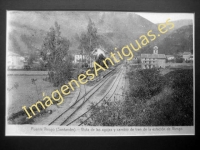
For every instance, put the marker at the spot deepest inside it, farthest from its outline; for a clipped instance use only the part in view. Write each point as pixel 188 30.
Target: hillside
pixel 173 42
pixel 28 29
pixel 180 40
pixel 117 28
pixel 177 24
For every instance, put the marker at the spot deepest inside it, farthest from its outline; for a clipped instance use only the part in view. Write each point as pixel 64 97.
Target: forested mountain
pixel 180 40
pixel 27 30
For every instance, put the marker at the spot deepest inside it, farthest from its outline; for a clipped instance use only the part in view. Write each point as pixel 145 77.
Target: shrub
pixel 179 60
pixel 173 108
pixel 182 97
pixel 107 114
pixel 149 82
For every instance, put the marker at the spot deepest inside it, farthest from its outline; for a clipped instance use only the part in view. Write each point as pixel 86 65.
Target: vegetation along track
pixel 63 117
pixel 107 96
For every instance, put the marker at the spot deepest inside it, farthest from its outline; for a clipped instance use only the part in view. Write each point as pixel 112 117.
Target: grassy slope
pixel 25 94
pixel 173 105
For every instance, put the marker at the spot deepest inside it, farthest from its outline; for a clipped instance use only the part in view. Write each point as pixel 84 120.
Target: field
pixel 22 92
pixel 25 88
pixel 179 65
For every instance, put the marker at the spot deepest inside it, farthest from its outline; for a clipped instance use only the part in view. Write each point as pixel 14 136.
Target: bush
pixel 173 108
pixel 149 82
pixel 61 75
pixel 182 97
pixel 179 60
pixel 85 65
pixel 107 114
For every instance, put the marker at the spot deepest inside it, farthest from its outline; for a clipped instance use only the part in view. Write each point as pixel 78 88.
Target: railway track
pixel 80 101
pixel 109 94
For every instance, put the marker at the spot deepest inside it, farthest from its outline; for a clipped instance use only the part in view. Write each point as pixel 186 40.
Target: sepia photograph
pixel 99 73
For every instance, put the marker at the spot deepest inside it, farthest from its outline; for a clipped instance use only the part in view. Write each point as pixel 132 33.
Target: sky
pixel 162 17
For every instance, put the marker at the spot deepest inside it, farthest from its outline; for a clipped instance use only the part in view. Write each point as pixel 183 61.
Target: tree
pixel 100 61
pixel 179 59
pixel 191 51
pixel 31 58
pixel 89 40
pixel 55 55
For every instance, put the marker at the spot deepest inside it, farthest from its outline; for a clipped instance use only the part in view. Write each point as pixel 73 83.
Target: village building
pixel 154 60
pixel 89 59
pixel 170 57
pixel 79 58
pixel 135 60
pixel 15 61
pixel 187 56
pixel 191 58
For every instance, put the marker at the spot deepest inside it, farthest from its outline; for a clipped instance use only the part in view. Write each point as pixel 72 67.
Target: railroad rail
pixel 118 79
pixel 80 101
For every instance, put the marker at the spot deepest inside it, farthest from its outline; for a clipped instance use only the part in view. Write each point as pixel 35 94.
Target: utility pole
pixel 90 51
pixel 82 59
pixel 85 92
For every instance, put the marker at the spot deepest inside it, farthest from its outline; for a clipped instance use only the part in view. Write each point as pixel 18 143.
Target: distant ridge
pixel 118 28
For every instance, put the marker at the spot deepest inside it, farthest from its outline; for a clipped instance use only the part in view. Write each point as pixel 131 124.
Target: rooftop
pixel 12 54
pixel 153 56
pixel 186 53
pixel 169 56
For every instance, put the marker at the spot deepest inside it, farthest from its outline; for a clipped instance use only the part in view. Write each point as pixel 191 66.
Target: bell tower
pixel 155 50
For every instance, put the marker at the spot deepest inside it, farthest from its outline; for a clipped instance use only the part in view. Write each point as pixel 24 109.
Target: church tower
pixel 155 50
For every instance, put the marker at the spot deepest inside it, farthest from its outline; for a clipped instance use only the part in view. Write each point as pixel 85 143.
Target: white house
pixel 191 58
pixel 153 60
pixel 186 55
pixel 170 57
pixel 90 59
pixel 97 52
pixel 15 61
pixel 79 58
